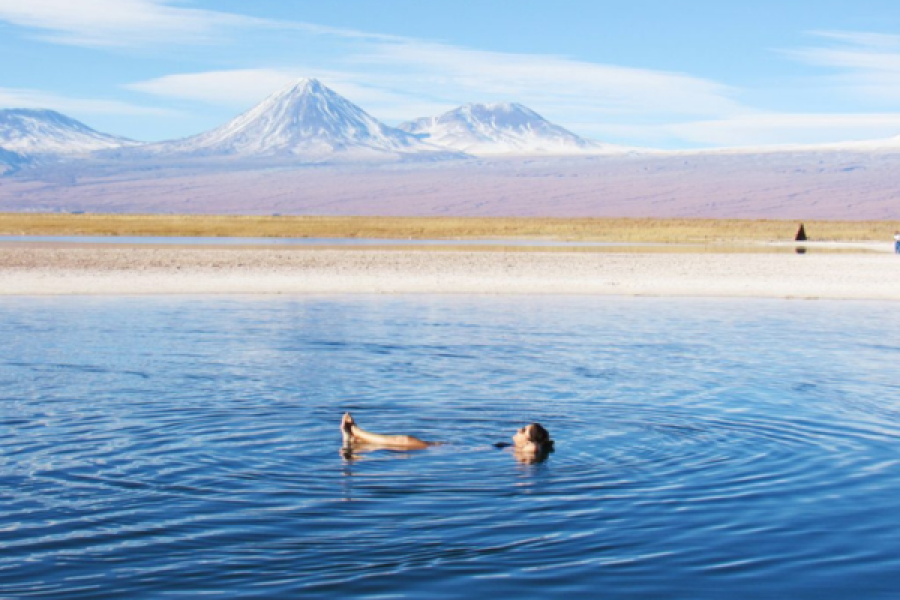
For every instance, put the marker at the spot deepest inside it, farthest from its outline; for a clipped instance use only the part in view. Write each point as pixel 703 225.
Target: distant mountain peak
pixel 501 128
pixel 298 89
pixel 308 84
pixel 304 119
pixel 499 107
pixel 30 131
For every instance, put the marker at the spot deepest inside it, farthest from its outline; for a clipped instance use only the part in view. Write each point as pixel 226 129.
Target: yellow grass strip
pixel 462 228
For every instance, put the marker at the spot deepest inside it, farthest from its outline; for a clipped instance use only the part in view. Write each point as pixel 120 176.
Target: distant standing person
pixel 897 242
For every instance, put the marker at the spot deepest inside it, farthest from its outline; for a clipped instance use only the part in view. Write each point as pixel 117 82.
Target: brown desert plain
pixel 674 257
pixel 691 224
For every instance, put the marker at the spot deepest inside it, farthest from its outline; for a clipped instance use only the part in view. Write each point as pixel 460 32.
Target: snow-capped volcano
pixel 501 128
pixel 306 120
pixel 28 131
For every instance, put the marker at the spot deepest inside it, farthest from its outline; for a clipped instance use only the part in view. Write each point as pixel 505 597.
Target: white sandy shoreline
pixel 139 270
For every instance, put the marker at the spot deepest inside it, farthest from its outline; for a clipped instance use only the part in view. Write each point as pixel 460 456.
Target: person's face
pixel 522 436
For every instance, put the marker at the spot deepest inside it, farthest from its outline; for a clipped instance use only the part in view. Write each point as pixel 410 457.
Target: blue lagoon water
pixel 185 446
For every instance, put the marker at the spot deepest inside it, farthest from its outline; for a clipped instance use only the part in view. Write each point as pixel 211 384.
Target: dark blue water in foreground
pixel 173 447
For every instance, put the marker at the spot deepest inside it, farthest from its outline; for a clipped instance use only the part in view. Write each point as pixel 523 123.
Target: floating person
pixel 531 443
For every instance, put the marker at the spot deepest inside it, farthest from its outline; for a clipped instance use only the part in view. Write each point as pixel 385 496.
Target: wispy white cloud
pixel 762 129
pixel 400 80
pixel 860 38
pixel 139 22
pixel 116 22
pixel 25 98
pixel 866 64
pixel 239 89
pixel 446 71
pixel 232 88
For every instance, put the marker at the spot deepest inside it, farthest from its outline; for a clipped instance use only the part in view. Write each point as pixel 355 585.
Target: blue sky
pixel 663 73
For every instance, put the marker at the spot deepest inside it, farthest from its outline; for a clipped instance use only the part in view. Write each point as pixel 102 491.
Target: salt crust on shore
pixel 139 270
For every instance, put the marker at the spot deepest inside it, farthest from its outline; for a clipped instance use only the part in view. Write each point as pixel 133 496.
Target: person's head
pixel 532 444
pixel 533 434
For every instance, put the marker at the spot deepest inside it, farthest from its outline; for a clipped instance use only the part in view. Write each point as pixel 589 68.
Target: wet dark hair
pixel 539 435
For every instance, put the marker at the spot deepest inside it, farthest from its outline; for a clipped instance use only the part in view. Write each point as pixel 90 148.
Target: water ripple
pixel 194 449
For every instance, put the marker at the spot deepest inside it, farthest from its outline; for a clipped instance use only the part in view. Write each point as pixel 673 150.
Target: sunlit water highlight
pixel 172 447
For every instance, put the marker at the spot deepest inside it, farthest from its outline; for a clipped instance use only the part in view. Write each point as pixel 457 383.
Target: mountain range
pixel 27 132
pixel 308 122
pixel 475 160
pixel 502 128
